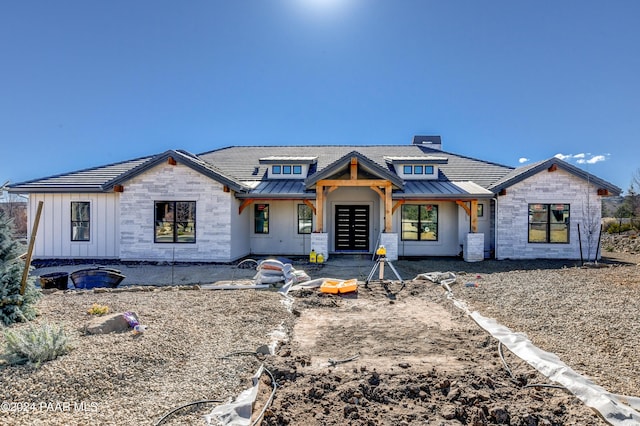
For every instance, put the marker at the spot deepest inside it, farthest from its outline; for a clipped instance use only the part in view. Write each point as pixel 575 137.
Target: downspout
pixel 495 229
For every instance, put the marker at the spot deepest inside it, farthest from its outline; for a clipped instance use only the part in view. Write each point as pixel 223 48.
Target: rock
pixel 108 324
pixel 500 415
pixel 448 412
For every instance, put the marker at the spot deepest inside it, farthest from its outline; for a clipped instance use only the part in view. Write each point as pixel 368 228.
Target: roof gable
pixel 364 164
pixel 182 157
pixel 522 173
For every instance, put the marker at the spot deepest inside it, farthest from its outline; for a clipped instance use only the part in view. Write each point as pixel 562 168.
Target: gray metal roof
pixel 441 189
pixel 280 188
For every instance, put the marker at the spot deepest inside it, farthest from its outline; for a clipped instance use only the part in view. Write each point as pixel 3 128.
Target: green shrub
pixel 14 306
pixel 35 344
pixel 616 227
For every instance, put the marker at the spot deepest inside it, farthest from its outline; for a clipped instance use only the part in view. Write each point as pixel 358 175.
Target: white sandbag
pixel 268 279
pixel 270 264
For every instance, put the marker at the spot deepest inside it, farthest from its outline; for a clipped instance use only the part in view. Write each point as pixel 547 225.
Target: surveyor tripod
pixel 382 259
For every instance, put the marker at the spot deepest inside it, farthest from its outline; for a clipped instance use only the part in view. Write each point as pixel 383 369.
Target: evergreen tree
pixel 630 207
pixel 14 307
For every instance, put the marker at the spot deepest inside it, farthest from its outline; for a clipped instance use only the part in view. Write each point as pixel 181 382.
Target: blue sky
pixel 88 83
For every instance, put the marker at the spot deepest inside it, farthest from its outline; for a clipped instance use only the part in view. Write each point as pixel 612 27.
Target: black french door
pixel 352 228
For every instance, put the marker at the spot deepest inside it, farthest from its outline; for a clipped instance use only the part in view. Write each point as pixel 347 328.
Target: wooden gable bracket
pixel 310 204
pixel 464 206
pixel 331 189
pixel 171 161
pixel 245 204
pixel 553 168
pixel 378 190
pixel 502 192
pixel 472 212
pixel 225 189
pixel 397 205
pixel 353 168
pixel 603 192
pixel 118 188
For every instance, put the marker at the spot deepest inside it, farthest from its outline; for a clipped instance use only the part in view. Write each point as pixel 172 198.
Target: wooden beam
pixel 320 207
pixel 171 161
pixel 310 204
pixel 552 168
pixel 349 182
pixel 603 192
pixel 397 205
pixel 32 241
pixel 354 168
pixel 388 207
pixel 331 189
pixel 245 204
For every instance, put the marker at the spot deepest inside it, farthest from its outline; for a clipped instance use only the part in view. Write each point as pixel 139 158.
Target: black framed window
pixel 549 223
pixel 419 222
pixel 276 170
pixel 305 219
pixel 480 212
pixel 175 221
pixel 286 170
pixel 297 170
pixel 80 221
pixel 428 170
pixel 261 217
pixel 417 170
pixel 407 170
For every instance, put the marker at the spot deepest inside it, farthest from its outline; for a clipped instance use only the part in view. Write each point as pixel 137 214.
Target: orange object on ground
pixel 339 286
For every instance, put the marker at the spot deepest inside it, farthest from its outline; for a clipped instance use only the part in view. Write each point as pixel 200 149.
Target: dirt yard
pixel 386 355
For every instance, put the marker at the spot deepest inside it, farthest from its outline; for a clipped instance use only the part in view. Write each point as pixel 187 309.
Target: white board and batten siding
pixel 53 237
pixel 447 243
pixel 214 211
pixel 558 187
pixel 283 237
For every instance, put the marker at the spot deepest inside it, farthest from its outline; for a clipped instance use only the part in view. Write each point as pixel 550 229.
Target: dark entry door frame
pixel 352 226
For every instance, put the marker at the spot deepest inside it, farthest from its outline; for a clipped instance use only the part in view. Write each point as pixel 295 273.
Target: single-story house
pixel 220 206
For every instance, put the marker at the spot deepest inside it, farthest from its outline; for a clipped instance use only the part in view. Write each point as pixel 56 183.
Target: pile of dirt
pixel 401 359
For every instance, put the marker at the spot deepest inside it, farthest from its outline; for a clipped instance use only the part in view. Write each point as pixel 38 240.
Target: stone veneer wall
pixel 175 183
pixel 549 188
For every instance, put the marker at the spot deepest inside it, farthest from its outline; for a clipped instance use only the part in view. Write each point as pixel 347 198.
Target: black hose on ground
pixel 189 404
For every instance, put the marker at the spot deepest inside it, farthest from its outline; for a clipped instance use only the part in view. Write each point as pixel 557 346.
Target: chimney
pixel 433 142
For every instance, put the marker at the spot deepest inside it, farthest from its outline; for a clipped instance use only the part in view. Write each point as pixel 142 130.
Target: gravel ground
pixel 588 316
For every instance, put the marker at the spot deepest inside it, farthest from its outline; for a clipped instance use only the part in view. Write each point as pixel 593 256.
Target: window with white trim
pixel 80 221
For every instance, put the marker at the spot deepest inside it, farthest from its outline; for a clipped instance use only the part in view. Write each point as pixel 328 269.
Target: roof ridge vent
pixel 434 142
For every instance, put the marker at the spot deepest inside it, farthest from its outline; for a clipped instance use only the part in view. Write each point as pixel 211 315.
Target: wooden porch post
pixel 388 207
pixel 474 216
pixel 319 207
